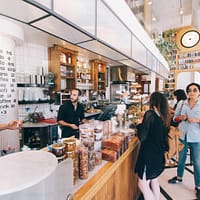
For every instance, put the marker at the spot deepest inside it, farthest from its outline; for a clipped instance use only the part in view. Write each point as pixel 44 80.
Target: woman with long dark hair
pixel 152 133
pixel 179 95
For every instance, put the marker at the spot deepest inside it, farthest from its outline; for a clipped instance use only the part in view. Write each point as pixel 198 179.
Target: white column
pixel 147 17
pixel 10 35
pixel 153 82
pixel 196 13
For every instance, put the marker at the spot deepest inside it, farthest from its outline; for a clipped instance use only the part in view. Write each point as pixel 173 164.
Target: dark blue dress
pixel 153 137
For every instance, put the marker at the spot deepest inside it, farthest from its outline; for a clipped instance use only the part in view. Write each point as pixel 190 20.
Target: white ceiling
pixel 166 13
pixel 33 35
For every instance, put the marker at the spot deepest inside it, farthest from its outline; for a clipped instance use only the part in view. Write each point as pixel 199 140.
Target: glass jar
pixel 70 144
pixel 70 154
pixel 83 162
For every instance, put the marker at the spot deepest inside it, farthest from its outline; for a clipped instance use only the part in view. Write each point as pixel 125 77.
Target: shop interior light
pixel 149 2
pixel 181 8
pixel 181 12
pixel 154 19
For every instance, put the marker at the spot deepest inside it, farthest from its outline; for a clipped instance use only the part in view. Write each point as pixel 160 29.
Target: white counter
pixel 21 170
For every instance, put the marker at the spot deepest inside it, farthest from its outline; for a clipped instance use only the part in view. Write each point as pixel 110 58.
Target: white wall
pixel 188 78
pixel 196 77
pixel 30 58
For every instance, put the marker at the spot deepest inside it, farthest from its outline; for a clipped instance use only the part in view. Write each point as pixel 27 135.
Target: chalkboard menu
pixel 8 87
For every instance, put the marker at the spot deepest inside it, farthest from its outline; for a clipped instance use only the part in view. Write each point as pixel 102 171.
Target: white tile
pixel 19 51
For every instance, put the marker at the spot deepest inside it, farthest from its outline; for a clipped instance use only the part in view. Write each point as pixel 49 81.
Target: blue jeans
pixel 195 155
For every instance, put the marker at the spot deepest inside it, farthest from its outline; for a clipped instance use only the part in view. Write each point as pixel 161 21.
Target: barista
pixel 71 114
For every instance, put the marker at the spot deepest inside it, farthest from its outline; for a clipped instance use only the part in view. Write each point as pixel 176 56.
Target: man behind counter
pixel 71 114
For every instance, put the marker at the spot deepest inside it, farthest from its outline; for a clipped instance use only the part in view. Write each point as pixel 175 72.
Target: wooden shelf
pixel 188 59
pixel 56 64
pixel 99 72
pixel 31 85
pixel 33 102
pixel 170 83
pixel 66 64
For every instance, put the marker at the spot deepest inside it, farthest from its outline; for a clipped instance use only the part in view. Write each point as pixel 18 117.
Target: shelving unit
pixel 170 84
pixel 84 78
pixel 34 94
pixel 62 62
pixel 99 75
pixel 34 102
pixel 185 62
pixel 38 135
pixel 61 97
pixel 188 60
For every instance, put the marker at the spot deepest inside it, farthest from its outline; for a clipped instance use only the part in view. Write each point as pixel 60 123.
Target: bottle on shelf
pixel 69 58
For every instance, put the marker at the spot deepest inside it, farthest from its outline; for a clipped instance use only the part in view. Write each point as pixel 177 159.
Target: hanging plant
pixel 166 43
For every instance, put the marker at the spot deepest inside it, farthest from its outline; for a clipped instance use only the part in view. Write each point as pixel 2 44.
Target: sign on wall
pixel 8 93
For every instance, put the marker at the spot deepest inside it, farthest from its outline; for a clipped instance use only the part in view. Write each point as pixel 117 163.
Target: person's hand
pixel 12 125
pixel 171 110
pixel 139 121
pixel 193 120
pixel 87 121
pixel 183 117
pixel 73 126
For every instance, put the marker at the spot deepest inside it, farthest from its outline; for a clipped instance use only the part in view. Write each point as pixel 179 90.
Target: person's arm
pixel 193 120
pixel 12 125
pixel 178 117
pixel 82 115
pixel 85 120
pixel 144 127
pixel 63 123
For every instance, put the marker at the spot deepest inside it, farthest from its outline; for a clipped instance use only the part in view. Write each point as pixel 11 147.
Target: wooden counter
pixel 114 181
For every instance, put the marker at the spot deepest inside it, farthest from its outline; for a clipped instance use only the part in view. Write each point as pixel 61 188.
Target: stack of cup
pixel 98 134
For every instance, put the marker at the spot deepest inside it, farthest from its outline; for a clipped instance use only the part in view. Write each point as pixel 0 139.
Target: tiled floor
pixel 181 191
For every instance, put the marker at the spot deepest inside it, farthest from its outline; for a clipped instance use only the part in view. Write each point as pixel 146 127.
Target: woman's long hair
pixel 158 100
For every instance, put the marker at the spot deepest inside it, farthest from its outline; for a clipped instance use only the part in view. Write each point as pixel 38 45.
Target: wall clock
pixel 190 38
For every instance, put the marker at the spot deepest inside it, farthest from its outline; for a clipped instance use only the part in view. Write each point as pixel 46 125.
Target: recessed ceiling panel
pixel 103 50
pixel 46 3
pixel 111 30
pixel 154 64
pixel 135 65
pixel 60 29
pixel 80 12
pixel 149 59
pixel 20 10
pixel 138 51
